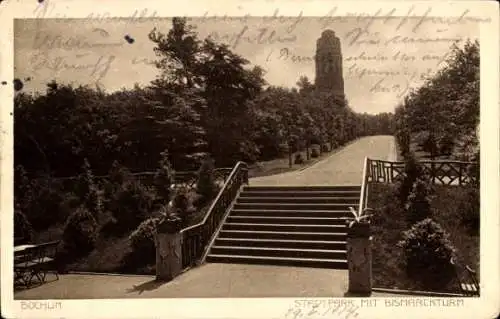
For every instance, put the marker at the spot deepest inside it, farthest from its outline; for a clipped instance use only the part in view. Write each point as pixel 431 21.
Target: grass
pixel 388 267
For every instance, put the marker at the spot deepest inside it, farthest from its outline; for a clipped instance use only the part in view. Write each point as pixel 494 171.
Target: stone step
pixel 281 243
pixel 285 227
pixel 290 213
pixel 278 252
pixel 280 261
pixel 295 206
pixel 303 188
pixel 299 200
pixel 295 235
pixel 286 220
pixel 313 193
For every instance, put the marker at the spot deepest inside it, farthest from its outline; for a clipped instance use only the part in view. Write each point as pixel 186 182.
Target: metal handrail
pixel 364 188
pixel 219 195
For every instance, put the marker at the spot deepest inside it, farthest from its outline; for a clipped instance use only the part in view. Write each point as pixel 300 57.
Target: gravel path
pixel 342 168
pixel 209 280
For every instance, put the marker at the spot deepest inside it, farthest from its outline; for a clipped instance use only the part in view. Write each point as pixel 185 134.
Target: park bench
pixel 34 261
pixel 470 287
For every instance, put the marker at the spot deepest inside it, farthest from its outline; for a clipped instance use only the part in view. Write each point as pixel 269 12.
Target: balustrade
pixel 197 237
pixel 440 172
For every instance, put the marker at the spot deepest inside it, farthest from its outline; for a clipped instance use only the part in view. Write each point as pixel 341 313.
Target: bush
pixel 324 148
pixel 299 159
pixel 142 239
pixel 428 253
pixel 470 210
pixel 85 180
pixel 412 171
pixel 418 205
pixel 89 192
pixel 181 200
pixel 118 175
pixel 182 204
pixel 206 185
pixel 131 204
pixel 446 144
pixel 41 203
pixel 22 228
pixel 80 232
pixel 314 153
pixel 403 141
pixel 164 177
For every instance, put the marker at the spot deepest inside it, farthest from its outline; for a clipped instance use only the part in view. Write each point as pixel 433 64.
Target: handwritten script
pixel 333 308
pixel 386 52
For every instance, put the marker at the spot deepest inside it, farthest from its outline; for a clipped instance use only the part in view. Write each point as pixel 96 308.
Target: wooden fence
pixel 440 172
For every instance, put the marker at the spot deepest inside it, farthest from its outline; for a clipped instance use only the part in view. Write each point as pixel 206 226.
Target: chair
pixel 35 261
pixel 470 285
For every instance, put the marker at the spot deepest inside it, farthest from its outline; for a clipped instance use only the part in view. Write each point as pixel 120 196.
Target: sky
pixel 382 58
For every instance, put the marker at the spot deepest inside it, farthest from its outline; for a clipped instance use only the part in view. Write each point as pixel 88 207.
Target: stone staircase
pixel 287 225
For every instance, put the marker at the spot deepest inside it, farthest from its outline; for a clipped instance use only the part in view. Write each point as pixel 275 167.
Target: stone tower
pixel 328 58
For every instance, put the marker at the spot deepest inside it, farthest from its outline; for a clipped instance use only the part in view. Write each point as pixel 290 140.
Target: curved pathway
pixel 342 168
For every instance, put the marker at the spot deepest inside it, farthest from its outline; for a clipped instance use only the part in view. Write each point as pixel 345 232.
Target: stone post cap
pixel 358 230
pixel 170 225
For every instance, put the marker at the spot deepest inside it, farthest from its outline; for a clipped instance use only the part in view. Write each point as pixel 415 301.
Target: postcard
pixel 249 159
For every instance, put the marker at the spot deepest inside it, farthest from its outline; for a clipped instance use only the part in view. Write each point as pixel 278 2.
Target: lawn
pixel 388 268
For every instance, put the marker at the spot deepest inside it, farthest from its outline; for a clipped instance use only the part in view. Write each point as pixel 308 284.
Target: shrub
pixel 182 203
pixel 131 204
pixel 85 180
pixel 403 141
pixel 471 207
pixel 117 176
pixel 299 159
pixel 206 185
pixel 428 252
pixel 22 228
pixel 314 153
pixel 69 203
pixel 41 203
pixel 89 192
pixel 418 205
pixel 80 232
pixel 412 171
pixel 142 239
pixel 164 177
pixel 181 200
pixel 446 144
pixel 470 210
pixel 324 148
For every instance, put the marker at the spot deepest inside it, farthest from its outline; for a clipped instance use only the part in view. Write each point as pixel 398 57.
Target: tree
pixel 164 177
pixel 446 107
pixel 219 76
pixel 305 86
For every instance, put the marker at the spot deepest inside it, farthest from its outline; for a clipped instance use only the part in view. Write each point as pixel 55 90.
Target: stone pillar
pixel 168 250
pixel 359 259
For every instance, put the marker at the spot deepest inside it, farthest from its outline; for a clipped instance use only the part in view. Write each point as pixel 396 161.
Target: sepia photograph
pixel 247 156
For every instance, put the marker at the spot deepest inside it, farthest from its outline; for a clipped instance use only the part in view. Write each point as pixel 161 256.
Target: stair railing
pixel 195 238
pixel 360 214
pixel 363 197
